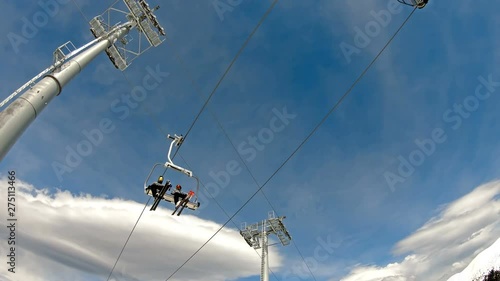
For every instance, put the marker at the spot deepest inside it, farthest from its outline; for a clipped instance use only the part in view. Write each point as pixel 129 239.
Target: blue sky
pixel 334 187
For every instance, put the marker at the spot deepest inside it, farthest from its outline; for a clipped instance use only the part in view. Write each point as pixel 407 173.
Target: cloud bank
pixel 446 244
pixel 62 236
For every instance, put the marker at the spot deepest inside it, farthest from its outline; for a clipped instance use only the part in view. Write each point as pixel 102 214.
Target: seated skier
pixel 157 186
pixel 177 193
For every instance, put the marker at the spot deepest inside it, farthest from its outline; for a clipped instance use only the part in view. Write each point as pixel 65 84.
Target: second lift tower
pixel 19 114
pixel 256 236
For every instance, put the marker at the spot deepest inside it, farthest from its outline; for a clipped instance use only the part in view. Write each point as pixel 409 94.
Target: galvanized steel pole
pixel 16 118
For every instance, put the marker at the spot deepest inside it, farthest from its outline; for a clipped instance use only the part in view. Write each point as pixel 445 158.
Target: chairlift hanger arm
pixel 176 140
pixel 193 205
pixel 178 168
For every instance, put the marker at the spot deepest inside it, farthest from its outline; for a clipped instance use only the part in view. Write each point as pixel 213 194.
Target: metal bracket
pixel 60 53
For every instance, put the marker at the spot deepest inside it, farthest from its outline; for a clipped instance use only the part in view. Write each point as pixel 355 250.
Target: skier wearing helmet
pixel 157 186
pixel 178 194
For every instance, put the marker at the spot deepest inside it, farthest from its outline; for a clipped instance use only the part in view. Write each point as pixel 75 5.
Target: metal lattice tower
pixel 144 20
pixel 70 61
pixel 256 235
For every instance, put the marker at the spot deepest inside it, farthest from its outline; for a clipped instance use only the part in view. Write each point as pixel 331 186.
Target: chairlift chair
pixel 414 3
pixel 191 204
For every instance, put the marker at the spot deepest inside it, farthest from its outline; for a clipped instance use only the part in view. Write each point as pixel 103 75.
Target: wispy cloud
pixel 446 243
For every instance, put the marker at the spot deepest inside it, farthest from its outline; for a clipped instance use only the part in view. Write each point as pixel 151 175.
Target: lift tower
pixel 256 236
pixel 19 114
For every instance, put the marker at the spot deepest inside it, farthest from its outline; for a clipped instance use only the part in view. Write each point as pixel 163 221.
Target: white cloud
pixel 61 236
pixel 445 244
pixel 484 262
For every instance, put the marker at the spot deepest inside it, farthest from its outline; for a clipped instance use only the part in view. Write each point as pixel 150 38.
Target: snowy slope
pixel 481 264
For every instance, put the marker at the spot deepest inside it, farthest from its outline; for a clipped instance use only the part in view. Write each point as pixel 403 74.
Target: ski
pixel 182 208
pixel 183 203
pixel 177 207
pixel 160 196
